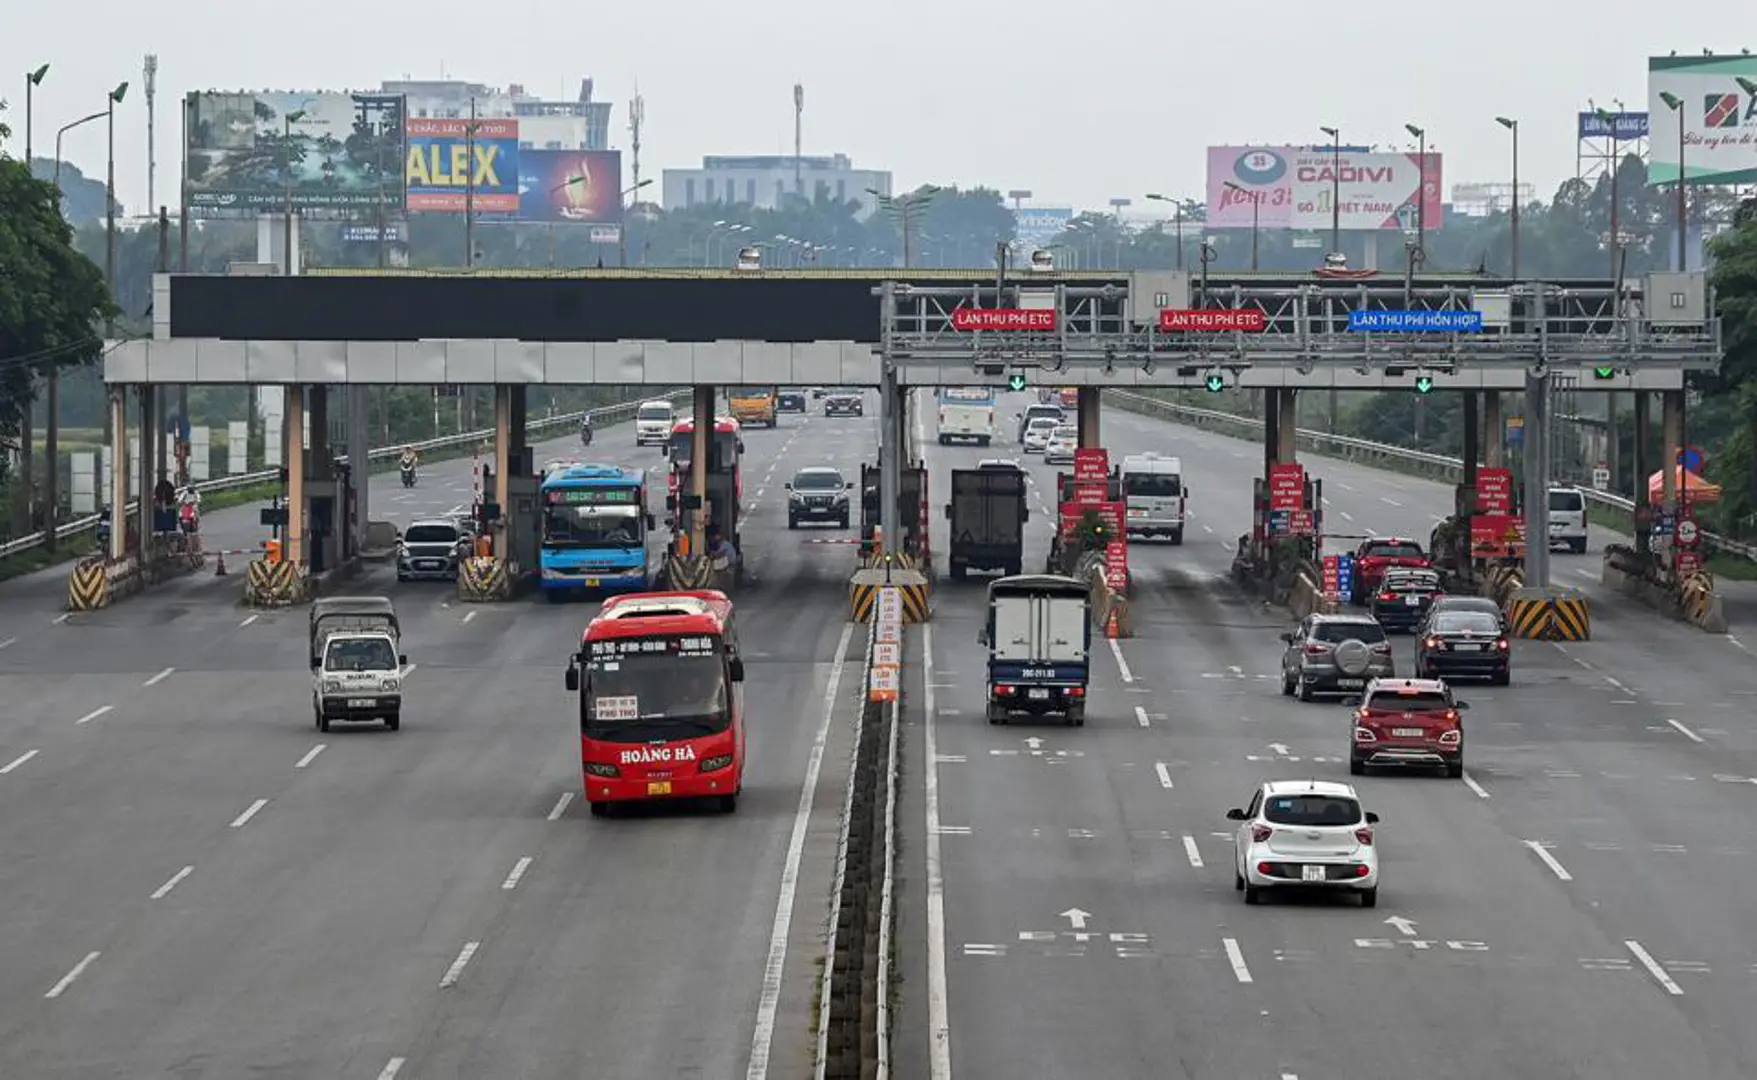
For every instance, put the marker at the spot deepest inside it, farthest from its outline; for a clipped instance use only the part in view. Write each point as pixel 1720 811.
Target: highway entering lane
pixel 200 883
pixel 1573 908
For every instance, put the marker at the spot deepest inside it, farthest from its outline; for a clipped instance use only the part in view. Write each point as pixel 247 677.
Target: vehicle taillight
pixel 1362 870
pixel 1365 835
pixel 1004 690
pixel 1382 647
pixel 1431 642
pixel 1450 738
pixel 1362 734
pixel 1503 644
pixel 1261 833
pixel 1316 649
pixel 1076 691
pixel 1387 597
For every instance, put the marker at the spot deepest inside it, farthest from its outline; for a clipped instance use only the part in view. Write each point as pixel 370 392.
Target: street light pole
pixel 1421 191
pixel 51 449
pixel 287 168
pixel 1335 188
pixel 1256 209
pixel 27 436
pixel 116 96
pixel 1513 126
pixel 1676 104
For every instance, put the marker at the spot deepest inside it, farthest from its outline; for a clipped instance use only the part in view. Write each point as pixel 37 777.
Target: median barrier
pixel 863 594
pixel 1500 581
pixel 484 580
pixel 1701 603
pixel 687 572
pixel 1306 597
pixel 1549 613
pixel 273 583
pixel 88 586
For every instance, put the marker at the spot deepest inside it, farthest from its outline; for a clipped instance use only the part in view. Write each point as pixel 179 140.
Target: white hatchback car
pixel 1038 433
pixel 1305 834
pixel 1063 441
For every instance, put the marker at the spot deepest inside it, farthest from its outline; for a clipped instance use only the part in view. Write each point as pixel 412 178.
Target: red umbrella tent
pixel 1695 488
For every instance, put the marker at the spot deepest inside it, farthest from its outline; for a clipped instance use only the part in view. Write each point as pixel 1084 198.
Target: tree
pixel 1735 283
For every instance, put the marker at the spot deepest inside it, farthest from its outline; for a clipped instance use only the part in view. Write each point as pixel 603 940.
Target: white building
pixel 543 125
pixel 764 180
pixel 1482 198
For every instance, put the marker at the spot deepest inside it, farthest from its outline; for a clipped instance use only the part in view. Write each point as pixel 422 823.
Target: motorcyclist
pixel 586 428
pixel 189 510
pixel 407 462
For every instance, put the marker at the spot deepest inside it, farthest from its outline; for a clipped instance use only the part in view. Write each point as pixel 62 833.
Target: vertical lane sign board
pixel 1496 531
pixel 1116 565
pixel 890 605
pixel 1301 523
pixel 1091 465
pixel 1332 577
pixel 1287 486
pixel 1686 563
pixel 1003 319
pixel 887 654
pixel 1494 491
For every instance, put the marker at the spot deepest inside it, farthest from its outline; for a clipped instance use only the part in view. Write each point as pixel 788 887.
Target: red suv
pixel 1379 554
pixel 1408 722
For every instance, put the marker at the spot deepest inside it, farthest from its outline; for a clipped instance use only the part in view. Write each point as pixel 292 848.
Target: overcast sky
pixel 1077 103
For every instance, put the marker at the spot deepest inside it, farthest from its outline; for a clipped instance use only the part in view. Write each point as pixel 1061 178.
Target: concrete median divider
pixel 1306 597
pixel 1550 613
pixel 1694 600
pixel 88 586
pixel 687 572
pixel 865 587
pixel 484 580
pixel 1500 581
pixel 273 583
pixel 1701 603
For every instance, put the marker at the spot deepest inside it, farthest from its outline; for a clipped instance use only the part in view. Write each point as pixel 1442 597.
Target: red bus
pixel 727 453
pixel 660 713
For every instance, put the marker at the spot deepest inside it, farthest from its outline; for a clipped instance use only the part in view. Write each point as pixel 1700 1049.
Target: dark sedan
pixel 1403 598
pixel 1468 644
pixel 1480 604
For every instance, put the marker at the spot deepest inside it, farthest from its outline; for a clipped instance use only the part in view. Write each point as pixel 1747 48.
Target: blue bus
pixel 595 526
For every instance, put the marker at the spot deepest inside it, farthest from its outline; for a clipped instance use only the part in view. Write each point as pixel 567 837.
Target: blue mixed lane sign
pixel 1419 322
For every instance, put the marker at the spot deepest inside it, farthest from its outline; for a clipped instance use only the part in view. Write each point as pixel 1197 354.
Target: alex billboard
pixel 450 168
pixel 1294 187
pixel 1719 117
pixel 570 185
pixel 318 150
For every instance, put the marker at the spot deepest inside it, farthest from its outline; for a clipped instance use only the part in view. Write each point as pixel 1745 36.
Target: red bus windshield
pixel 683 450
pixel 645 689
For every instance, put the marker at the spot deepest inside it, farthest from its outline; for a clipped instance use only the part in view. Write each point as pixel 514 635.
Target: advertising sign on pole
pixel 340 151
pixel 1287 486
pixel 1003 319
pixel 1618 125
pixel 1091 465
pixel 451 168
pixel 1035 226
pixel 570 185
pixel 1250 320
pixel 1292 187
pixel 1720 124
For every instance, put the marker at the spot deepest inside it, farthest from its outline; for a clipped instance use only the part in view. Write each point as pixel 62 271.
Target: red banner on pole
pixel 1091 465
pixel 1247 319
pixel 1003 319
pixel 1494 492
pixel 1494 536
pixel 1287 486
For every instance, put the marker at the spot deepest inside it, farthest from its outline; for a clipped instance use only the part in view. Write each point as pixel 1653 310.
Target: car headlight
pixel 390 685
pixel 794 496
pixel 332 686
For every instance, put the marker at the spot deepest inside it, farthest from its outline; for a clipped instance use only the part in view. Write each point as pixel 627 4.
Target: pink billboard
pixel 1289 187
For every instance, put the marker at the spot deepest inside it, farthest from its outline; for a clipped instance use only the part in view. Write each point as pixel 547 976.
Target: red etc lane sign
pixel 1002 319
pixel 1494 492
pixel 1116 565
pixel 1249 320
pixel 1332 575
pixel 1091 465
pixel 1287 487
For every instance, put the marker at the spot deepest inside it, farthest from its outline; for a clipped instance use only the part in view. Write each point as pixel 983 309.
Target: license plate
pixel 1351 684
pixel 591 583
pixel 1408 732
pixel 1412 601
pixel 1311 873
pixel 1037 695
pixel 362 702
pixel 429 564
pixel 659 787
pixel 1468 647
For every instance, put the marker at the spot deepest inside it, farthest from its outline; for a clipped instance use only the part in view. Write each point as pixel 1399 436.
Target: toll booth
pixel 521 521
pixel 909 509
pixel 329 501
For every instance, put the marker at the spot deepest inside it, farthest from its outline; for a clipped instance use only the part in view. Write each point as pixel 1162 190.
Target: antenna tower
pixel 798 139
pixel 637 118
pixel 151 77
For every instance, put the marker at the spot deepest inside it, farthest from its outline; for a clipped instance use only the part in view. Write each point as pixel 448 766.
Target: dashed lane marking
pixel 159 678
pixel 518 871
pixel 1653 967
pixel 1140 716
pixel 1163 773
pixel 1686 732
pixel 561 806
pixel 65 615
pixel 391 1068
pixel 469 615
pixel 1390 502
pixel 93 715
pixel 1121 663
pixel 17 761
pixel 165 890
pixel 310 755
pixel 8 643
pixel 1236 957
pixel 456 971
pixel 1471 783
pixel 1192 852
pixel 248 620
pixel 67 980
pixel 244 819
pixel 1543 855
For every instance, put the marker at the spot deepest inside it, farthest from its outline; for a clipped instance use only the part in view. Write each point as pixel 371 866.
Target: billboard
pixel 1034 226
pixel 451 168
pixel 570 185
pixel 1292 187
pixel 1617 125
pixel 1719 117
pixel 338 150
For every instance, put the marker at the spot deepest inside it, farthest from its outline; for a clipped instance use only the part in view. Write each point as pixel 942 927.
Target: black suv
pixel 843 403
pixel 790 401
pixel 817 494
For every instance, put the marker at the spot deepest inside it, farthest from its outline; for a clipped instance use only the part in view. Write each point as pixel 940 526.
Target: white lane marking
pixel 468 615
pixel 1193 852
pixel 310 755
pixel 244 819
pixel 395 1065
pixel 1390 502
pixel 1686 732
pixel 1343 486
pixel 456 971
pixel 763 1037
pixel 93 715
pixel 1346 516
pixel 61 618
pixel 1470 782
pixel 165 890
pixel 1141 716
pixel 9 642
pixel 1736 643
pixel 1236 957
pixel 939 1027
pixel 248 620
pixel 159 678
pixel 1208 529
pixel 1653 968
pixel 1122 664
pixel 1584 572
pixel 1163 773
pixel 561 805
pixel 518 871
pixel 1548 860
pixel 17 761
pixel 67 980
pixel 1619 685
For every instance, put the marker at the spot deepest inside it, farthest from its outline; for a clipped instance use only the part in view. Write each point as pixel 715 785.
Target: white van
pixel 653 421
pixel 1155 496
pixel 1568 519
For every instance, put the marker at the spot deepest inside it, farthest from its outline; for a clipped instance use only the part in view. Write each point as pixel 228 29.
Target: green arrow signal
pixel 1015 381
pixel 1604 372
pixel 1216 384
pixel 1424 384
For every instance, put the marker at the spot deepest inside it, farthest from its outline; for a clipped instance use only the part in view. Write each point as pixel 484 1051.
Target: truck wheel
pixel 394 722
pixel 959 571
pixel 1076 716
pixel 726 804
pixel 1177 536
pixel 996 715
pixel 600 809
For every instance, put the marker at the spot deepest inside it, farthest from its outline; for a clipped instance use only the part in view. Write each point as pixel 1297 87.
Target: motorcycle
pixel 585 436
pixel 408 476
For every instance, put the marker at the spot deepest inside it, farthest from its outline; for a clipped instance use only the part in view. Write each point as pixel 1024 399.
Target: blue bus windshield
pixel 594 516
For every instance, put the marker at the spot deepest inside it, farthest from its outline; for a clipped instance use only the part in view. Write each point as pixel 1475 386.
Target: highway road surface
pixel 1579 906
pixel 197 884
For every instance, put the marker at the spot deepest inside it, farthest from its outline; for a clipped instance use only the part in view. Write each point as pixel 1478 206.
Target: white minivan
pixel 1568 519
pixel 1155 496
pixel 653 421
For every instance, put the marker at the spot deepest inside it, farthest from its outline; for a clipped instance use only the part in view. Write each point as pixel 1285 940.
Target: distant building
pixel 1483 198
pixel 543 125
pixel 765 180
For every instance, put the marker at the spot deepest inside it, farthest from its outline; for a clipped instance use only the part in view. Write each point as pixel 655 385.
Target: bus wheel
pixel 727 804
pixel 600 809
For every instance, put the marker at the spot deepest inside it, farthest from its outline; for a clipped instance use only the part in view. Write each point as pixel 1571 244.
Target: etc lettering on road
pixel 1417 322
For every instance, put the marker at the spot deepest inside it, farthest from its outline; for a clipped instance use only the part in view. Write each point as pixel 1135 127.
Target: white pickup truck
pixel 357 665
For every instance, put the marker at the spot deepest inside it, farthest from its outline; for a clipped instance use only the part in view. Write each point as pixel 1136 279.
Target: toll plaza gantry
pixel 894 330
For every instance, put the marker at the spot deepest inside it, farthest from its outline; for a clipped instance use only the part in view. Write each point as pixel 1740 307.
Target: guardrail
pixel 613 413
pixel 1353 449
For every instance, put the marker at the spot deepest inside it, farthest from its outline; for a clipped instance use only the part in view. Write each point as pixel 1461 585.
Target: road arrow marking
pixel 1034 743
pixel 1279 748
pixel 1404 926
pixel 1076 918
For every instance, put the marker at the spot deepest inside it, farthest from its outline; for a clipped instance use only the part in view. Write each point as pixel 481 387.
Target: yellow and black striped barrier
pixel 911 585
pixel 483 579
pixel 271 583
pixel 1549 614
pixel 1701 604
pixel 88 587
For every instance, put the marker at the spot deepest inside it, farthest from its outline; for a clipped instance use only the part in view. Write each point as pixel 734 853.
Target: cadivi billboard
pixel 1719 114
pixel 1293 187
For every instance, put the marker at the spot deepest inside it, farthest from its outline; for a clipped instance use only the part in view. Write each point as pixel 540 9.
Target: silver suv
pixel 1334 654
pixel 430 549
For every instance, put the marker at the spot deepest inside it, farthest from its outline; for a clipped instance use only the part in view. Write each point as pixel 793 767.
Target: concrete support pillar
pixel 321 456
pixel 1537 481
pixel 161 437
pixel 1472 439
pixel 1271 432
pixel 1091 435
pixel 359 465
pixel 890 458
pixel 1494 430
pixel 1643 439
pixel 1672 406
pixel 118 478
pixel 697 489
pixel 144 511
pixel 1287 420
pixel 521 402
pixel 503 460
pixel 293 434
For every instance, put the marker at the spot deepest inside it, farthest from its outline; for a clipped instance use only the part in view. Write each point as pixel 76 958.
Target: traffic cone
pixel 1111 629
pixel 220 565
